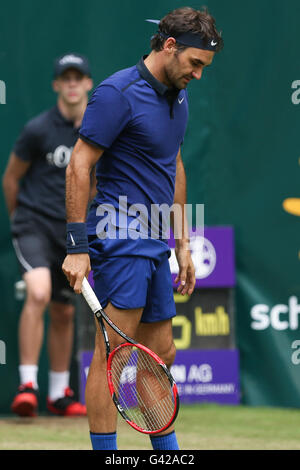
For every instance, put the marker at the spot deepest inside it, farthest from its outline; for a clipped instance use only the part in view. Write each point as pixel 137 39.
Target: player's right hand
pixel 76 266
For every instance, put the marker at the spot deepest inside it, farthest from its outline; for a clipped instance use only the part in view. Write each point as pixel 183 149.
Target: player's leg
pixel 155 331
pixel 158 337
pixel 121 285
pixel 102 414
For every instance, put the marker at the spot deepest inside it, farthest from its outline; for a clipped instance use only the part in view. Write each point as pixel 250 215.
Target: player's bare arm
pixel 186 275
pixel 14 172
pixel 78 180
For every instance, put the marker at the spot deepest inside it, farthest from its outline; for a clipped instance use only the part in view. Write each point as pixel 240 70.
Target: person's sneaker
pixel 66 406
pixel 25 402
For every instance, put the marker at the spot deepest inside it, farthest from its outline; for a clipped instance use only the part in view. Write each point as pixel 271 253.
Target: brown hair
pixel 183 20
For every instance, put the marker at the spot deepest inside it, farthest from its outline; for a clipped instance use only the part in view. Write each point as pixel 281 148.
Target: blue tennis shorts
pixel 131 281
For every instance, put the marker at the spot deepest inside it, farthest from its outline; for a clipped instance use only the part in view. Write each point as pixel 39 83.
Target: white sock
pixel 28 373
pixel 58 382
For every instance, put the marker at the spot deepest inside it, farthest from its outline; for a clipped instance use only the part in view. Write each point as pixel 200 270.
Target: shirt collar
pixel 160 87
pixel 61 119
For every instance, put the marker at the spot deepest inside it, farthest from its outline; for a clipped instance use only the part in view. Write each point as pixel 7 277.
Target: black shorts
pixel 40 241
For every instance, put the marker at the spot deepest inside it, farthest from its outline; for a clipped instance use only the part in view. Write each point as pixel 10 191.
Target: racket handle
pixel 90 296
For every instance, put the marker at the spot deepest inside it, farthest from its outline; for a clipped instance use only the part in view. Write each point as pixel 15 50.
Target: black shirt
pixel 47 142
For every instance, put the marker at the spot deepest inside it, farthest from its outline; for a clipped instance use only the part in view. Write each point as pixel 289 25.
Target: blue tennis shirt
pixel 140 124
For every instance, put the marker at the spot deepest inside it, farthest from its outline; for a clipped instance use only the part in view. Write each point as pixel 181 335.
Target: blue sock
pixel 105 441
pixel 166 442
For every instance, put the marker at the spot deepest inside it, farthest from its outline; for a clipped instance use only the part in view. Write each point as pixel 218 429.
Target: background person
pixel 133 128
pixel 34 189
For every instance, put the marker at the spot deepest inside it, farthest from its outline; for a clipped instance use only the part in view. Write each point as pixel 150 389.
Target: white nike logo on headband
pixel 213 43
pixel 153 21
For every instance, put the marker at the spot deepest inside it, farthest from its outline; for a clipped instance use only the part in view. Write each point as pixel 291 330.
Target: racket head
pixel 142 388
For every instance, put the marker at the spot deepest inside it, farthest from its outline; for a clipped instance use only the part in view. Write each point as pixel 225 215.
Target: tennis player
pixel 132 130
pixel 34 187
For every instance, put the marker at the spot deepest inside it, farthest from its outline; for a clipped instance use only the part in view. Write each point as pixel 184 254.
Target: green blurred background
pixel 240 152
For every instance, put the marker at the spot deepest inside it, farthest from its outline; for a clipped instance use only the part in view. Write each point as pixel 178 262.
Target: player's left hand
pixel 186 276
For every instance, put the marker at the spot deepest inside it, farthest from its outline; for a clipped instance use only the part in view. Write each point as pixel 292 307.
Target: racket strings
pixel 142 388
pixel 140 401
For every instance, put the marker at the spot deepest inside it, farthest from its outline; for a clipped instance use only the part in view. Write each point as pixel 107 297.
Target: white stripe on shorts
pixel 20 257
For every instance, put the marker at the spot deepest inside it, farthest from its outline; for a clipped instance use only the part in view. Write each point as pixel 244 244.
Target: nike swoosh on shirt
pixel 180 100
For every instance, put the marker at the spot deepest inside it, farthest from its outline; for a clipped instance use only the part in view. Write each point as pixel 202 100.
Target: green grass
pixel 211 427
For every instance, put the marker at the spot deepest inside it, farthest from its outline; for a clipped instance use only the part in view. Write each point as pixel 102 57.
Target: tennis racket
pixel 141 386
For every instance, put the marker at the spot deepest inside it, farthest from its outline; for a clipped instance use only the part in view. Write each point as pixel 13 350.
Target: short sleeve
pixel 26 145
pixel 107 114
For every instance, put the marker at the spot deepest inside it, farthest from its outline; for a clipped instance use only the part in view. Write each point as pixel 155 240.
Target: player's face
pixel 186 65
pixel 72 86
